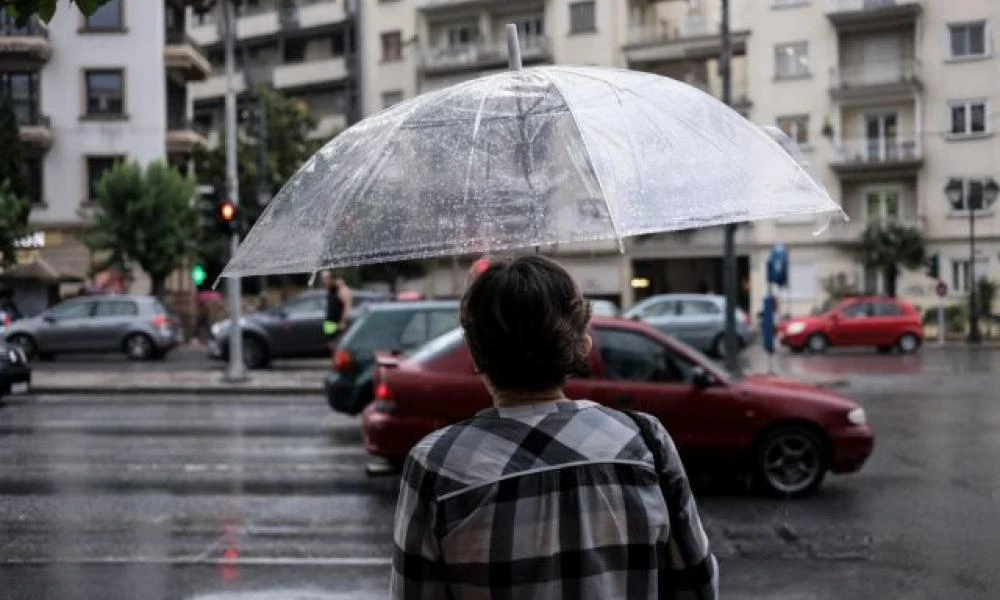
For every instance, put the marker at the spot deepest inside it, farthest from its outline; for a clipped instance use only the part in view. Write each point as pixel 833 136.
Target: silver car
pixel 696 319
pixel 138 326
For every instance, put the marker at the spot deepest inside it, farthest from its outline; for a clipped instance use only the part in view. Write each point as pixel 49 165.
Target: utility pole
pixel 236 370
pixel 729 274
pixel 263 175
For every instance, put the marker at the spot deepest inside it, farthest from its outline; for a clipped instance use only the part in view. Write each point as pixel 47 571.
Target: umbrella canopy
pixel 525 158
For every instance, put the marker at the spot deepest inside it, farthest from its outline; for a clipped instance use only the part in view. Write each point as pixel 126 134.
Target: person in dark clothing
pixel 338 305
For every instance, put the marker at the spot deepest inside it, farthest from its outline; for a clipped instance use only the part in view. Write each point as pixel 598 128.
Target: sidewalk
pixel 305 382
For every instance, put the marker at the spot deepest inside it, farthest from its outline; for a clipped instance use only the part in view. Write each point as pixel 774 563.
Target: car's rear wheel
pixel 719 345
pixel 791 461
pixel 817 343
pixel 139 346
pixel 254 353
pixel 908 343
pixel 26 343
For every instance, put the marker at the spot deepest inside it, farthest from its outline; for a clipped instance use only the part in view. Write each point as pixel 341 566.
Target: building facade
pixel 892 102
pixel 89 92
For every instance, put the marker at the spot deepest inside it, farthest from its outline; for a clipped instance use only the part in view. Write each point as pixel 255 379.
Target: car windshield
pixel 436 347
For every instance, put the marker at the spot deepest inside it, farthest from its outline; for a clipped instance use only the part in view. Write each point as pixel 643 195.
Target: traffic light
pixel 934 266
pixel 198 275
pixel 228 216
pixel 209 198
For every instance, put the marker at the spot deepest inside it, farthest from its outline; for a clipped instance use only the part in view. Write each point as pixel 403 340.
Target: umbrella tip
pixel 513 48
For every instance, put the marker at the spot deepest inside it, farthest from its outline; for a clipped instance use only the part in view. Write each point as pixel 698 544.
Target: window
pixel 788 3
pixel 882 205
pixel 33 177
pixel 660 309
pixel 862 310
pixel 888 309
pixel 442 321
pixel 105 92
pixel 295 51
pixel 530 28
pixel 109 17
pixel 22 89
pixel 582 17
pixel 634 357
pixel 791 60
pixel 796 127
pixel 300 307
pixel 960 273
pixel 968 118
pixel 968 39
pixel 72 310
pixel 415 332
pixel 96 167
pixel 973 194
pixel 699 308
pixel 462 35
pixel 391 98
pixel 116 308
pixel 392 46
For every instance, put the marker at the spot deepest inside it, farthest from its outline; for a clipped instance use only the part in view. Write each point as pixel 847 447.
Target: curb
pixel 177 389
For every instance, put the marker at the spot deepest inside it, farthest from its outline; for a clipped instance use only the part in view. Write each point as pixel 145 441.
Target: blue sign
pixel 767 323
pixel 777 266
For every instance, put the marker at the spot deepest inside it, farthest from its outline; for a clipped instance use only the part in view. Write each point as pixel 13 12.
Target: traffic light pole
pixel 236 370
pixel 729 275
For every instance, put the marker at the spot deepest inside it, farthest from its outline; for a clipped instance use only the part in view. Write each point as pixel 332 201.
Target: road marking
pixel 338 561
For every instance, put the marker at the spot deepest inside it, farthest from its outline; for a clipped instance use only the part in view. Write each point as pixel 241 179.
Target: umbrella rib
pixel 472 146
pixel 590 161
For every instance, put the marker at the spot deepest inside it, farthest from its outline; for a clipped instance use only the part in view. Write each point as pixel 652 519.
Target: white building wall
pixel 141 136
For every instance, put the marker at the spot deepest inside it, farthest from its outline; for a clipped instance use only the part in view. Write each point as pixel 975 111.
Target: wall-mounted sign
pixel 31 241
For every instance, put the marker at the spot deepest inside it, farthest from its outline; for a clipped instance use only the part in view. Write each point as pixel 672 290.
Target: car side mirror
pixel 700 378
pixel 49 318
pixel 636 317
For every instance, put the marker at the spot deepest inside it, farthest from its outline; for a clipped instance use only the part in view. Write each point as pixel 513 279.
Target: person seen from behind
pixel 542 496
pixel 338 305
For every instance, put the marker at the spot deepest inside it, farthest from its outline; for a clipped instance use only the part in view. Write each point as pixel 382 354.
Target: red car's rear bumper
pixel 851 448
pixel 392 436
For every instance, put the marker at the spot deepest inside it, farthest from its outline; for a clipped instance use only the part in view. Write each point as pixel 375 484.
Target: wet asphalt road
pixel 260 497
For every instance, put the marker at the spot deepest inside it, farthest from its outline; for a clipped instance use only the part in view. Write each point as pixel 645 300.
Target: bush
pixel 955 317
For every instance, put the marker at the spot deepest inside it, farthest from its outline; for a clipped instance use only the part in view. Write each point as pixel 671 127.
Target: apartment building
pixel 892 102
pixel 303 48
pixel 89 92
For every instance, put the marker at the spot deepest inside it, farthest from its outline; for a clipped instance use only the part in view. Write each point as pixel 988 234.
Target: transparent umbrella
pixel 526 158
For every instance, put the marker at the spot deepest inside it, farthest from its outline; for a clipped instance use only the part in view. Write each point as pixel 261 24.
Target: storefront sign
pixel 34 240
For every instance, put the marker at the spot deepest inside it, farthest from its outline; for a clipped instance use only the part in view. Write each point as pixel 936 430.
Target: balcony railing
pixel 663 31
pixel 876 73
pixel 878 151
pixel 33 28
pixel 33 119
pixel 845 6
pixel 478 54
pixel 185 124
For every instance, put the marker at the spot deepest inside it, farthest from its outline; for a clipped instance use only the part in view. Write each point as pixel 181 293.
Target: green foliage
pixel 956 316
pixel 146 218
pixel 986 293
pixel 837 287
pixel 24 9
pixel 887 246
pixel 11 159
pixel 13 224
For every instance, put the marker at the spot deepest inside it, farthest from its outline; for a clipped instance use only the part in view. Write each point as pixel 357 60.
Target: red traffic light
pixel 227 211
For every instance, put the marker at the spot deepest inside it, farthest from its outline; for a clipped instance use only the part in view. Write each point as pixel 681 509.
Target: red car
pixel 786 433
pixel 885 323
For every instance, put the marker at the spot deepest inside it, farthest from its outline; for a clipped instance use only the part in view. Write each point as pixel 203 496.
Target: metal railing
pixel 33 28
pixel 184 124
pixel 663 31
pixel 32 118
pixel 878 151
pixel 478 53
pixel 839 6
pixel 875 73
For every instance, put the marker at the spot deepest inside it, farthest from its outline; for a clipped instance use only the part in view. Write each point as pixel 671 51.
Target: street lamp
pixel 954 190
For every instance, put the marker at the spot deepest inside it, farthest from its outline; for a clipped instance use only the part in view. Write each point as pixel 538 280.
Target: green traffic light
pixel 198 274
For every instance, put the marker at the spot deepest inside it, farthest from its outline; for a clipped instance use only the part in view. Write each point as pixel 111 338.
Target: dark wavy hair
pixel 525 324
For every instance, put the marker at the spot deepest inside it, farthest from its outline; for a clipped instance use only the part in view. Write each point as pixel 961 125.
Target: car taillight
pixel 384 400
pixel 161 321
pixel 343 362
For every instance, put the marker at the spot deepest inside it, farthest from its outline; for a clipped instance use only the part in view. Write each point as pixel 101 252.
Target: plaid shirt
pixel 552 500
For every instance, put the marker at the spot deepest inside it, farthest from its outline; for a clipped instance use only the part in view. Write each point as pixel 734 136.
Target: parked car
pixel 789 435
pixel 397 328
pixel 292 330
pixel 885 323
pixel 698 320
pixel 15 372
pixel 603 308
pixel 139 326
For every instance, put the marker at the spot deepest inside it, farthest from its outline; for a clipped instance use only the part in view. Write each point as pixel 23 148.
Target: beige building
pixel 892 102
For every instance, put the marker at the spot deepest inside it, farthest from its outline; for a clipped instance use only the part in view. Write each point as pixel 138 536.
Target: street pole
pixel 263 179
pixel 236 370
pixel 974 335
pixel 729 275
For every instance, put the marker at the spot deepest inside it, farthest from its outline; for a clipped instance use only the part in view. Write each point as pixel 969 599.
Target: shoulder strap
pixel 648 438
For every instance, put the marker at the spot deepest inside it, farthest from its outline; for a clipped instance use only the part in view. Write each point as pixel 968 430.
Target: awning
pixel 39 270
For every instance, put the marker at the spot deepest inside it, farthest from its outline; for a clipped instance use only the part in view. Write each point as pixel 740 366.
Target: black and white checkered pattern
pixel 552 500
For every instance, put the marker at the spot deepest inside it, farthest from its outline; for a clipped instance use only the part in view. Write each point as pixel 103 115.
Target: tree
pixel 391 273
pixel 889 246
pixel 23 10
pixel 146 218
pixel 986 292
pixel 15 207
pixel 13 225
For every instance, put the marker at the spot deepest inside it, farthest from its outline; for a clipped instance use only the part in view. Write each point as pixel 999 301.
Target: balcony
pixel 268 21
pixel 876 80
pixel 314 73
pixel 214 87
pixel 26 46
pixel 35 131
pixel 429 5
pixel 182 57
pixel 183 135
pixel 866 15
pixel 849 233
pixel 880 158
pixel 692 38
pixel 482 55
